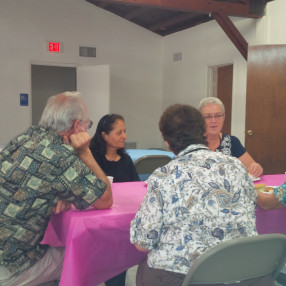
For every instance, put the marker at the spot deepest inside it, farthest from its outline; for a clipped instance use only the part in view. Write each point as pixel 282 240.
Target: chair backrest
pixel 239 259
pixel 147 164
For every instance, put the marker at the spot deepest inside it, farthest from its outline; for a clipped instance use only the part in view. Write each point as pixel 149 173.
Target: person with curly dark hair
pixel 198 200
pixel 182 126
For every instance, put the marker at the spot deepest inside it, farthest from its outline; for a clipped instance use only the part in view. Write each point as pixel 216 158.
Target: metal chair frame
pixel 239 259
pixel 149 163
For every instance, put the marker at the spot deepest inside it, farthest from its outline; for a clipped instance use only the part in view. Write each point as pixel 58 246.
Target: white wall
pixel 207 45
pixel 276 22
pixel 144 79
pixel 133 53
pixel 203 46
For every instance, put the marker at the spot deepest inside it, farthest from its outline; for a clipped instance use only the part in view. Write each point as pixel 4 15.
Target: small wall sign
pixel 54 47
pixel 24 101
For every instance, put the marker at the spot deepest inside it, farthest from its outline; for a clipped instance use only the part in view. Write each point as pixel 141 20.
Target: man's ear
pixel 166 142
pixel 76 126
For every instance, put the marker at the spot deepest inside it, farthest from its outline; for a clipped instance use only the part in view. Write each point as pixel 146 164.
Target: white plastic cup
pixel 110 179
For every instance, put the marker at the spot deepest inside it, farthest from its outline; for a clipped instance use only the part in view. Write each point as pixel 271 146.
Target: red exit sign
pixel 54 47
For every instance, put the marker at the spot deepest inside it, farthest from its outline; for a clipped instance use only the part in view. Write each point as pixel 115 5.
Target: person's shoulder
pixel 234 138
pixel 98 156
pixel 125 156
pixel 126 159
pixel 220 157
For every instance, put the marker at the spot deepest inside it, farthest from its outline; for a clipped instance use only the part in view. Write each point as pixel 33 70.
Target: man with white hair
pixel 46 169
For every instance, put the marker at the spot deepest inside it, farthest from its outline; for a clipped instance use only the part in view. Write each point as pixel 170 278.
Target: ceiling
pixel 165 17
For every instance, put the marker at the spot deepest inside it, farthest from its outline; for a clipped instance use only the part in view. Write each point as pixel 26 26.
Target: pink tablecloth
pixel 271 221
pixel 97 241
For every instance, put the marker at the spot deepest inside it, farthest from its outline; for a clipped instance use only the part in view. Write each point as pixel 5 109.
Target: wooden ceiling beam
pixel 136 12
pixel 232 32
pixel 199 20
pixel 101 4
pixel 162 25
pixel 240 9
pixel 104 5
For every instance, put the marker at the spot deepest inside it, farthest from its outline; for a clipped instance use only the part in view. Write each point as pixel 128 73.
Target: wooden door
pixel 224 93
pixel 265 107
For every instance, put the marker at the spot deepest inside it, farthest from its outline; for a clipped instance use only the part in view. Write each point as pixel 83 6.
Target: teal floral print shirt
pixel 198 200
pixel 36 170
pixel 280 193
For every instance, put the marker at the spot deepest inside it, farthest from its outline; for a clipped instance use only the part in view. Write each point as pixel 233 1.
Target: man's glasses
pixel 89 124
pixel 216 116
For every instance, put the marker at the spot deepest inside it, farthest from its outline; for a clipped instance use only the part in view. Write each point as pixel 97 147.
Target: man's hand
pixel 79 141
pixel 61 206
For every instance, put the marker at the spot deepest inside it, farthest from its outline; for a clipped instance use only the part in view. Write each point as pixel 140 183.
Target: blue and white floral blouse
pixel 199 199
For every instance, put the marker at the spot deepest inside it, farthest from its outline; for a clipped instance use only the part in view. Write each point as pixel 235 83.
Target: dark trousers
pixel 118 280
pixel 147 276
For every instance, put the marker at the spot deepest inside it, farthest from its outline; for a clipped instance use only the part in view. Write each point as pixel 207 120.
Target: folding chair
pixel 239 259
pixel 146 165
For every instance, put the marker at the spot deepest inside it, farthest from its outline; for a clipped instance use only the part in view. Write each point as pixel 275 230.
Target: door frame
pixel 213 91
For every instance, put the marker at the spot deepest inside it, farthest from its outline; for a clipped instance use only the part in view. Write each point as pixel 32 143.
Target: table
pixel 271 221
pixel 97 241
pixel 138 153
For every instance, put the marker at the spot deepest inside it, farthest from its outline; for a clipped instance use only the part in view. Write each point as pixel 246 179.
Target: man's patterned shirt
pixel 36 170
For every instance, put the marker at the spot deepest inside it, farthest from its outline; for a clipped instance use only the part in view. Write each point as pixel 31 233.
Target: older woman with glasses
pixel 213 111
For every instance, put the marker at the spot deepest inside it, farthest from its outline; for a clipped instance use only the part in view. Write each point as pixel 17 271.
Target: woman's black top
pixel 121 171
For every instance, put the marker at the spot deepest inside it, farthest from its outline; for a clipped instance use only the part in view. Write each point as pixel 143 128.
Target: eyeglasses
pixel 216 116
pixel 89 124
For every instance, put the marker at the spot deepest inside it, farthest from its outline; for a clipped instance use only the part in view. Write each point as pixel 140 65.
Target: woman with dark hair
pixel 107 147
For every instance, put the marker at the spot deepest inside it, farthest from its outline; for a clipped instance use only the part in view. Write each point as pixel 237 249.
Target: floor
pixel 130 277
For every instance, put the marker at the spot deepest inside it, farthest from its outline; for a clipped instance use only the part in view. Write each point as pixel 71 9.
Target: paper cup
pixel 110 179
